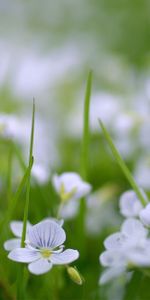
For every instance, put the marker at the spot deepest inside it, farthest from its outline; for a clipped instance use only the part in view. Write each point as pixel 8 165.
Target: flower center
pixel 46 253
pixel 65 196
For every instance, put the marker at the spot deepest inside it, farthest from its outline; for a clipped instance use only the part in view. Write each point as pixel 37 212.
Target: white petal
pixel 130 205
pixel 24 255
pixel 46 234
pixel 17 226
pixel 82 190
pixel 139 257
pixel 110 274
pixel 115 241
pixel 59 222
pixel 69 209
pixel 145 215
pixel 40 266
pixel 112 258
pixel 12 244
pixel 133 228
pixel 65 257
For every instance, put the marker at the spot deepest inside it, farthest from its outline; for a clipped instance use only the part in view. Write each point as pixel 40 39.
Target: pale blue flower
pixel 44 248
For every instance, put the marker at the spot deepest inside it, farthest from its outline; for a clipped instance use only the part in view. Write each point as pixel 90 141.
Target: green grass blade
pixel 9 175
pixel 28 180
pixel 14 200
pixel 86 135
pixel 122 165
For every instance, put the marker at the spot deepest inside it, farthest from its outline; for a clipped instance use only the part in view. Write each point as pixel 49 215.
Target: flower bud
pixel 74 275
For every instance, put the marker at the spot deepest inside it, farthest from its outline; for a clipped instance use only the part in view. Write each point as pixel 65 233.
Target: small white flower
pixel 145 215
pixel 44 248
pixel 130 205
pixel 16 228
pixel 125 248
pixel 70 186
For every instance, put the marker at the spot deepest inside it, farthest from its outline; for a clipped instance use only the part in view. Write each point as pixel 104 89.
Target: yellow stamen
pixel 46 253
pixel 66 196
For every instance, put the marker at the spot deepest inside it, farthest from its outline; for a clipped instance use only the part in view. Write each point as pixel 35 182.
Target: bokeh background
pixel 46 51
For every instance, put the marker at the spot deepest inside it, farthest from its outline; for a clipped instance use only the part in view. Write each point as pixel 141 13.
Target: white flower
pixel 130 205
pixel 70 186
pixel 142 172
pixel 16 228
pixel 44 248
pixel 40 173
pixel 145 215
pixel 125 248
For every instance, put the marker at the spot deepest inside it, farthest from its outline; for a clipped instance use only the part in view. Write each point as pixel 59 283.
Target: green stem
pixel 122 165
pixel 28 180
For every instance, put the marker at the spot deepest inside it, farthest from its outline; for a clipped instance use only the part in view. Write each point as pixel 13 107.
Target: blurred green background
pixel 46 51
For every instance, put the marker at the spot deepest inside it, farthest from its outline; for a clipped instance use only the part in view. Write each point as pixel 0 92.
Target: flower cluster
pixel 129 248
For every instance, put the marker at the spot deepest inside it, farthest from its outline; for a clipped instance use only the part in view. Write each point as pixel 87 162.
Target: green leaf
pixel 122 165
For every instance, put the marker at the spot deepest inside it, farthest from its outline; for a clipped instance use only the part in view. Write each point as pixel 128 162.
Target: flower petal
pixel 12 244
pixel 139 256
pixel 83 189
pixel 46 234
pixel 133 228
pixel 65 257
pixel 17 227
pixel 24 255
pixel 40 266
pixel 69 209
pixel 130 205
pixel 110 274
pixel 114 241
pixel 112 258
pixel 145 215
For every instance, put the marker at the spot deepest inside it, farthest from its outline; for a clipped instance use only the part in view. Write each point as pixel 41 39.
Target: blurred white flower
pixel 70 185
pixel 104 106
pixel 130 205
pixel 145 215
pixel 124 249
pixel 44 248
pixel 142 171
pixel 40 173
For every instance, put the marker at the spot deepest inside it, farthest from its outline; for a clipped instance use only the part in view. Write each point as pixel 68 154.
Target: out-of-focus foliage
pixel 46 49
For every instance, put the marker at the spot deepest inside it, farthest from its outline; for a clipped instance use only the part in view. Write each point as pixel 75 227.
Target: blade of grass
pixel 20 278
pixel 84 163
pixel 28 180
pixel 9 175
pixel 14 200
pixel 86 135
pixel 122 165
